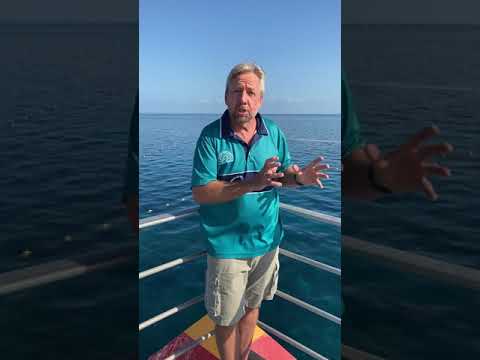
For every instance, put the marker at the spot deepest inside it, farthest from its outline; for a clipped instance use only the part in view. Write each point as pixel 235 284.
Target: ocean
pixel 68 92
pixel 405 77
pixel 167 143
pixel 67 96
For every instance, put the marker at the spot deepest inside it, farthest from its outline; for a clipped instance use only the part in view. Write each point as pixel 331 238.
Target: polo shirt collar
pixel 227 130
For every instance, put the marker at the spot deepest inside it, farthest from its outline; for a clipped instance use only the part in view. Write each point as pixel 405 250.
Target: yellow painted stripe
pixel 205 325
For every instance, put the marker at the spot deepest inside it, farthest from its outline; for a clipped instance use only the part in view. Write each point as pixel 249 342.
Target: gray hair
pixel 247 68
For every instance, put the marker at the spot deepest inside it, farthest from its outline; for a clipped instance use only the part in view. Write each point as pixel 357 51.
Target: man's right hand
pixel 407 169
pixel 268 175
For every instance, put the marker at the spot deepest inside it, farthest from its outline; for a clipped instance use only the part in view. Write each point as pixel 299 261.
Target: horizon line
pixel 68 22
pixel 413 23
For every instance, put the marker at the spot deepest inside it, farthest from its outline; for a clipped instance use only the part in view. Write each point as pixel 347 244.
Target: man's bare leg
pixel 246 327
pixel 228 343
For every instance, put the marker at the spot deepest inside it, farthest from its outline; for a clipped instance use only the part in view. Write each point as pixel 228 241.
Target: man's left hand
pixel 312 173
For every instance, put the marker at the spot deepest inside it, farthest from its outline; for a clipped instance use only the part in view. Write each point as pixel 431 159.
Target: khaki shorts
pixel 232 284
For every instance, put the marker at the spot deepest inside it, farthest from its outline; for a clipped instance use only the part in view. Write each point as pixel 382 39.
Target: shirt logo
pixel 225 157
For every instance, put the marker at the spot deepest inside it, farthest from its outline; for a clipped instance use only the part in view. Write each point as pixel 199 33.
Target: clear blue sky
pixel 188 47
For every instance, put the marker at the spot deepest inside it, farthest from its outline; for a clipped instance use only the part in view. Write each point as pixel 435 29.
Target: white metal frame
pixel 309 214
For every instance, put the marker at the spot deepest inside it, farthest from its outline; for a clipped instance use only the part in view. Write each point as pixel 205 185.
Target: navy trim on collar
pixel 261 128
pixel 227 130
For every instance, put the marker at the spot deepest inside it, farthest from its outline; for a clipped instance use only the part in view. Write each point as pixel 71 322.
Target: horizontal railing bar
pixel 292 342
pixel 191 346
pixel 70 267
pixel 193 257
pixel 167 217
pixel 311 262
pixel 309 307
pixel 311 214
pixel 170 312
pixel 437 269
pixel 170 264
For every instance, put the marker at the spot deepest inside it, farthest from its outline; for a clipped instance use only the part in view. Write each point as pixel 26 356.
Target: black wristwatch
pixel 374 184
pixel 296 181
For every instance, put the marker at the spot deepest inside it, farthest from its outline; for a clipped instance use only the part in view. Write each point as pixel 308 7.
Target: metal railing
pixel 308 214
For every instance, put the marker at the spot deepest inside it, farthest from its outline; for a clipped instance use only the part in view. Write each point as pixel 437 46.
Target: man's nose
pixel 244 97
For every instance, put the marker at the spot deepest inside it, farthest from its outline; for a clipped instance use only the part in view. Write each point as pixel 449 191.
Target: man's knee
pixel 250 317
pixel 226 331
pixel 251 311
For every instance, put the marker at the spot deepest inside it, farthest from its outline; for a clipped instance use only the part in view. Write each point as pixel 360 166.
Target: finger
pixel 321 167
pixel 428 189
pixel 271 165
pixel 422 135
pixel 276 175
pixel 295 169
pixel 373 152
pixel 436 149
pixel 319 183
pixel 275 184
pixel 271 160
pixel 435 169
pixel 316 161
pixel 322 175
pixel 270 171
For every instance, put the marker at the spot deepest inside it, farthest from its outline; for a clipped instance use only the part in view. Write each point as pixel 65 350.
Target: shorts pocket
pixel 272 288
pixel 212 295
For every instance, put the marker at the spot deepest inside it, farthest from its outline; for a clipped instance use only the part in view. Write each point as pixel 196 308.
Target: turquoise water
pixel 166 147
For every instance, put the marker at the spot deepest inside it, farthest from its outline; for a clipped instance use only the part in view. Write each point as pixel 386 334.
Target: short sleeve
pixel 283 153
pixel 204 162
pixel 351 137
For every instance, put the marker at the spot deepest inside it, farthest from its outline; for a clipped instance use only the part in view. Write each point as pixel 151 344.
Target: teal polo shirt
pixel 249 225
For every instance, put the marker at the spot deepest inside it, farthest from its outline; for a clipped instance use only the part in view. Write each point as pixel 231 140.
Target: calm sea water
pixel 404 78
pixel 167 143
pixel 67 95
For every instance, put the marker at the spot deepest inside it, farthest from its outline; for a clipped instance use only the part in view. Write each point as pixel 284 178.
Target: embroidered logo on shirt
pixel 225 157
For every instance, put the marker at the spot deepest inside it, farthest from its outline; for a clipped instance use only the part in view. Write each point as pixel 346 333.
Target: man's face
pixel 243 97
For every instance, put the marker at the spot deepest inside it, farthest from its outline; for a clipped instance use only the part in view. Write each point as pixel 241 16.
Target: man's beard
pixel 242 119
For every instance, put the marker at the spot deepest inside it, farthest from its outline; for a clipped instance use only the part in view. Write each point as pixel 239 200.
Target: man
pixel 366 174
pixel 240 161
